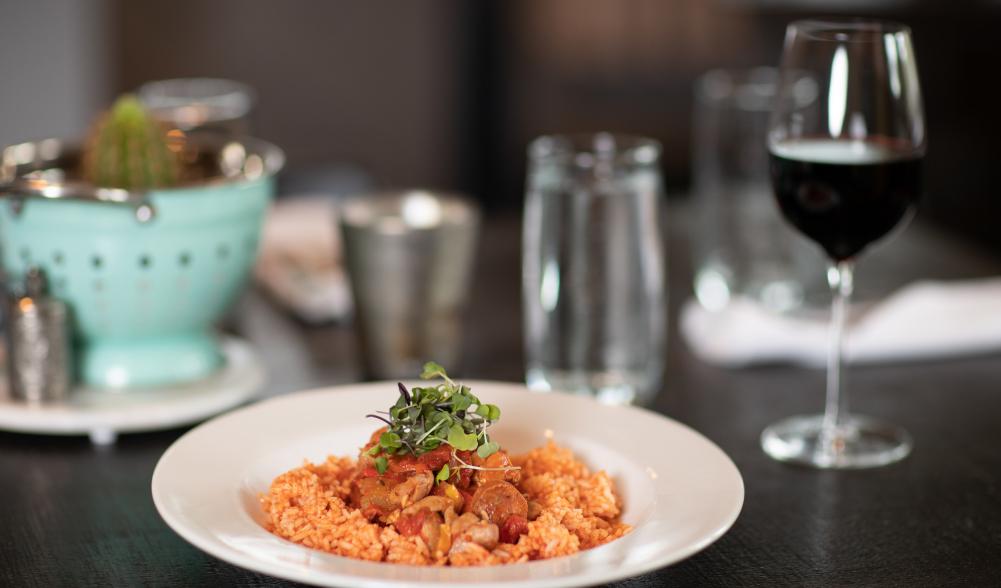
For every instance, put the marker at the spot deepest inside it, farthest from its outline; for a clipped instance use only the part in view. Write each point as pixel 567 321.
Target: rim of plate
pixel 205 539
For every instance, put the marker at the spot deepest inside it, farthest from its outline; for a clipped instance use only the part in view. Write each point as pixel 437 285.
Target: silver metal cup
pixel 409 257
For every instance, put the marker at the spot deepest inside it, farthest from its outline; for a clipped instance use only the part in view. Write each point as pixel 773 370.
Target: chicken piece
pixel 496 501
pixel 424 519
pixel 379 496
pixel 461 523
pixel 374 497
pixel 429 503
pixel 470 534
pixel 412 518
pixel 484 534
pixel 467 553
pixel 470 527
pixel 495 462
pixel 413 489
pixel 450 517
pixel 435 535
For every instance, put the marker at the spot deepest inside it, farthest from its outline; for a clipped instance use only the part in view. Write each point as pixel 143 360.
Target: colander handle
pixel 21 189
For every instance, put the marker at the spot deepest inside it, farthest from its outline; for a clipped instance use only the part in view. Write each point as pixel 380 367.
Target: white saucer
pixel 104 413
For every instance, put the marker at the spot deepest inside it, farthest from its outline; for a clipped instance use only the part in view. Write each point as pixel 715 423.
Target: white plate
pixel 103 413
pixel 680 491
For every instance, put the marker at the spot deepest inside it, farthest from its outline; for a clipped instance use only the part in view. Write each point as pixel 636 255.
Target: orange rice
pixel 580 510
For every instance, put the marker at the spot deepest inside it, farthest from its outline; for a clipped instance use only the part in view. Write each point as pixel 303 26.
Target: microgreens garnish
pixel 426 417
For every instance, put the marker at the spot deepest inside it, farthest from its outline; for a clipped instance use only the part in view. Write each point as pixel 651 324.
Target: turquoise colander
pixel 145 274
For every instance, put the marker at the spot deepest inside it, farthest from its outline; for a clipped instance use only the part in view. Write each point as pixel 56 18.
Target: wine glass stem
pixel 840 277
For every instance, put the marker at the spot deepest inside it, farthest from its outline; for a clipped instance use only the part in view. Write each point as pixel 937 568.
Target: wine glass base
pixel 860 443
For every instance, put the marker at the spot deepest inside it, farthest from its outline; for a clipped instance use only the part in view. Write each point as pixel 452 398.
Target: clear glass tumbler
pixel 741 245
pixel 593 267
pixel 205 105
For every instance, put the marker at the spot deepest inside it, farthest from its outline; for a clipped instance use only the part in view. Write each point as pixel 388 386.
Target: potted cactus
pixel 147 234
pixel 128 149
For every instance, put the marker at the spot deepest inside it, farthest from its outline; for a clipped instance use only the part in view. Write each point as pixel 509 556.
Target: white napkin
pixel 920 321
pixel 300 263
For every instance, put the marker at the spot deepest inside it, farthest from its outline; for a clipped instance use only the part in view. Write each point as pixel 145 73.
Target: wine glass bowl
pixel 846 170
pixel 844 194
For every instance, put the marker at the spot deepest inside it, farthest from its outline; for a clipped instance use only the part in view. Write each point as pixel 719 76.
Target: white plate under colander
pixel 104 413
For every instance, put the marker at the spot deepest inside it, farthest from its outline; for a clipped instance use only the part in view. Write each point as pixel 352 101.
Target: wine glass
pixel 846 170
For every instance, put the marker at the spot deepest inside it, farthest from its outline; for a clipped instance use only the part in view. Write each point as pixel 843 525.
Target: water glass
pixel 740 244
pixel 593 267
pixel 205 105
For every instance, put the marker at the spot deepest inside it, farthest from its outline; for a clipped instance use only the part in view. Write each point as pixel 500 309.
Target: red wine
pixel 844 194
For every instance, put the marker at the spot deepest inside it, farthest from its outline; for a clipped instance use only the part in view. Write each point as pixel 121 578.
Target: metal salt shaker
pixel 39 358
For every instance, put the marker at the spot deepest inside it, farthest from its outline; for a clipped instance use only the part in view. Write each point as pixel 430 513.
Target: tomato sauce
pixel 410 525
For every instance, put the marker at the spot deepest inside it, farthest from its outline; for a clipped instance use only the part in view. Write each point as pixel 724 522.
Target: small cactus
pixel 129 149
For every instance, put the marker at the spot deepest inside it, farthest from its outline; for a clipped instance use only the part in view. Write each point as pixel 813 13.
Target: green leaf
pixel 488 411
pixel 460 439
pixel 433 370
pixel 436 417
pixel 381 463
pixel 487 449
pixel 430 397
pixel 443 474
pixel 389 440
pixel 433 415
pixel 461 402
pixel 466 390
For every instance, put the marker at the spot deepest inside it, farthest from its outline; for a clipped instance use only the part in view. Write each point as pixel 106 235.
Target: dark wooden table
pixel 73 514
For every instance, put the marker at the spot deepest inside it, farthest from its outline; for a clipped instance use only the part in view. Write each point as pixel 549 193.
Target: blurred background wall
pixel 446 93
pixel 55 67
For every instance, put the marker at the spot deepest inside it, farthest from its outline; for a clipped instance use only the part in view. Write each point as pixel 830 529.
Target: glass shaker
pixel 38 337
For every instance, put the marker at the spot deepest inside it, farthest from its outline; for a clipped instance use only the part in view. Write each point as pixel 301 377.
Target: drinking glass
pixel 593 267
pixel 846 170
pixel 741 246
pixel 205 105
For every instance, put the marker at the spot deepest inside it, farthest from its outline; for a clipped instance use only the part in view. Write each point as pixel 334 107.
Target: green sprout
pixel 426 417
